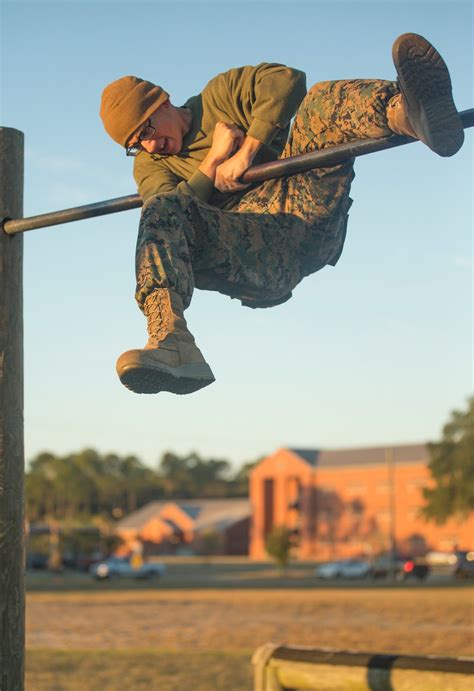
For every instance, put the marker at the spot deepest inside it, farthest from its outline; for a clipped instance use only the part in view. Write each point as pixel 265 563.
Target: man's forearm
pixel 249 149
pixel 209 166
pixel 245 154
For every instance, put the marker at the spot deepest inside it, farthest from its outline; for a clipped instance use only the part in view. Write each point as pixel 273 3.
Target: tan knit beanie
pixel 126 104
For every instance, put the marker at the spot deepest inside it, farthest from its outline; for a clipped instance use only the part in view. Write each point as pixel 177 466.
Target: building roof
pixel 308 455
pixel 372 455
pixel 221 514
pixel 175 528
pixel 204 512
pixel 137 519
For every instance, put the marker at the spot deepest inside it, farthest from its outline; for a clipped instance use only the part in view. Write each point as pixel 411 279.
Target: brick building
pixel 177 526
pixel 349 502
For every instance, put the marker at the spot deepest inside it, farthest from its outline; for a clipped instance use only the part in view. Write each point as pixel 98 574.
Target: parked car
pixel 402 567
pixel 81 561
pixel 345 568
pixel 454 564
pixel 118 567
pixel 36 561
pixel 464 564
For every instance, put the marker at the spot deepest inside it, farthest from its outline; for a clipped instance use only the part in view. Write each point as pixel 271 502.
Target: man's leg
pixel 183 242
pixel 420 105
pixel 170 361
pixel 313 206
pixel 424 109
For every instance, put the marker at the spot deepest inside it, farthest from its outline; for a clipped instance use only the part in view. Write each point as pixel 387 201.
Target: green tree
pixel 85 483
pixel 278 545
pixel 239 483
pixel 137 479
pixel 174 472
pixel 452 469
pixel 39 487
pixel 193 476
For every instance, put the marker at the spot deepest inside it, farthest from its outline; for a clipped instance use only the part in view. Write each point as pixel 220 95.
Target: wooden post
pixel 265 677
pixel 12 589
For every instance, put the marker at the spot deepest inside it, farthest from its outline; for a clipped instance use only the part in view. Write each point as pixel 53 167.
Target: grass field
pixel 202 639
pixel 137 670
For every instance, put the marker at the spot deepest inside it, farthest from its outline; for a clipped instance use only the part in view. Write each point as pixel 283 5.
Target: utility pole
pixel 390 459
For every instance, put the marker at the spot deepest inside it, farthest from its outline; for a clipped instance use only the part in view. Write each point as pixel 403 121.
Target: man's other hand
pixel 230 155
pixel 227 138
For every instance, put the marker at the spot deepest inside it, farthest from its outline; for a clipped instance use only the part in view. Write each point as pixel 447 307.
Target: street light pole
pixel 390 459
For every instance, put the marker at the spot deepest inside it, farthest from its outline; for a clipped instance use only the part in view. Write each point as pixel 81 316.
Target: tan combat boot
pixel 424 109
pixel 170 361
pixel 397 118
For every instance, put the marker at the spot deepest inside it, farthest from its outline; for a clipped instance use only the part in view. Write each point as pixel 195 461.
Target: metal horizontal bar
pixel 335 155
pixel 76 213
pixel 331 156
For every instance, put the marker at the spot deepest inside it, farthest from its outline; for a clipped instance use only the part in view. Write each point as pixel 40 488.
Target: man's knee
pixel 165 203
pixel 164 212
pixel 317 90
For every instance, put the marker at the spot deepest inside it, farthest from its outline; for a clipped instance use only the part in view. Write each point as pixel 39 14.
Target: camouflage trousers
pixel 283 229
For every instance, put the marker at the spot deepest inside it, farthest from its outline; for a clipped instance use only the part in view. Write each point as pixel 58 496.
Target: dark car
pixel 465 564
pixel 36 561
pixel 81 562
pixel 400 567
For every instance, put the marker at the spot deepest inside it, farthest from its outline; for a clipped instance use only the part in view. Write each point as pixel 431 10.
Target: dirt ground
pixel 404 620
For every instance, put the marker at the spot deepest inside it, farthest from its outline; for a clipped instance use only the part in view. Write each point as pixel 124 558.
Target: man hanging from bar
pixel 201 227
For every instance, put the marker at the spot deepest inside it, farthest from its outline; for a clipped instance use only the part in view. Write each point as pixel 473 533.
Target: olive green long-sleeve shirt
pixel 261 100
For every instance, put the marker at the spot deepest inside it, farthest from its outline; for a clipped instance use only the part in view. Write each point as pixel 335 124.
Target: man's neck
pixel 186 119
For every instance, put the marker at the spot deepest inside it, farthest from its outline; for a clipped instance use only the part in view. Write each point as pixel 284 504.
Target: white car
pixel 346 568
pixel 116 567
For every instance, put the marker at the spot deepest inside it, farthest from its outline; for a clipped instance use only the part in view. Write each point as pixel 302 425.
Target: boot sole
pixel 156 378
pixel 425 84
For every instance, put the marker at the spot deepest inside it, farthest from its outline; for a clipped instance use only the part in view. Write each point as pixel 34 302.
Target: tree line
pixel 87 483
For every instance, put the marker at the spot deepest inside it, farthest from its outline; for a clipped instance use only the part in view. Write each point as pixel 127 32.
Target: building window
pixel 413 513
pixel 267 505
pixel 417 484
pixel 449 543
pixel 357 489
pixel 293 493
pixel 383 516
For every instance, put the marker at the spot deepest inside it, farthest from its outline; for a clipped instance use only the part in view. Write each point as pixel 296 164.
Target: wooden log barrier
pixel 285 668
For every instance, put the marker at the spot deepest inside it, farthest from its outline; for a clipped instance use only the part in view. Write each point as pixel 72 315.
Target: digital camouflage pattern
pixel 283 229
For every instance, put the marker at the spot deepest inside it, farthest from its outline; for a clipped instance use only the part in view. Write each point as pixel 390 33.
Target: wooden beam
pixel 12 589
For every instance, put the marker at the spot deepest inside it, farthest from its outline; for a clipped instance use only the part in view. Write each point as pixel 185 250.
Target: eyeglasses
pixel 146 133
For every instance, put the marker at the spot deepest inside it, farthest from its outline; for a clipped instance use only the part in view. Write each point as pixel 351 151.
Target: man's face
pixel 168 136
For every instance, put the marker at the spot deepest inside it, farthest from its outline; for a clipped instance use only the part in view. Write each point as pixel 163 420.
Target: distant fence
pixel 289 668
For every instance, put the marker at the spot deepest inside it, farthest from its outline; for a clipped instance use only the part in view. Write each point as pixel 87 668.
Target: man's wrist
pixel 250 148
pixel 209 166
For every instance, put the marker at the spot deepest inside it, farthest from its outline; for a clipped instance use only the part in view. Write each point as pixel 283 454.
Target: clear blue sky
pixel 374 351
